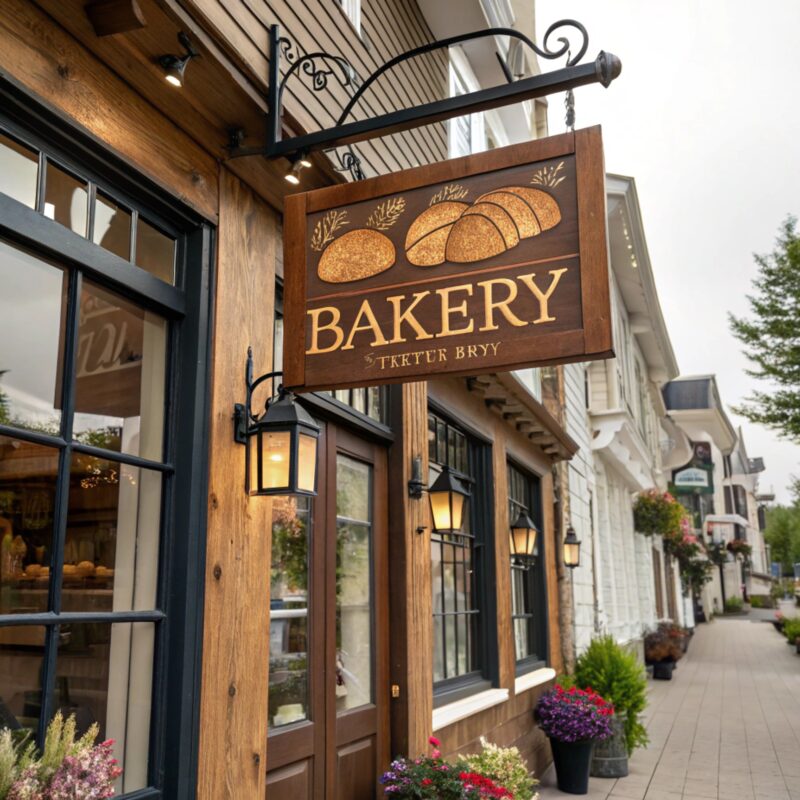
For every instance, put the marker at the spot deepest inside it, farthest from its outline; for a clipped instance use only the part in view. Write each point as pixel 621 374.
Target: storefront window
pixel 112 227
pixel 66 199
pixel 528 597
pixel 455 568
pixel 289 607
pixel 155 251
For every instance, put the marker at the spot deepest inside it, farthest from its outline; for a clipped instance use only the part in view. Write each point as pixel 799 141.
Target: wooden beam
pixel 115 16
pixel 234 692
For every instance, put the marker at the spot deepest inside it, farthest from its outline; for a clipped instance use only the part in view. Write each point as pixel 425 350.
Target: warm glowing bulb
pixel 276 457
pixel 304 162
pixel 292 178
pixel 174 80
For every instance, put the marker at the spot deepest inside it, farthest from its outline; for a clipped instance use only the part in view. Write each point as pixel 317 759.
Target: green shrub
pixel 616 674
pixel 734 604
pixel 505 766
pixel 760 601
pixel 791 628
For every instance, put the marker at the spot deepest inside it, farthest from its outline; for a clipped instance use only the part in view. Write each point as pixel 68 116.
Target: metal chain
pixel 569 103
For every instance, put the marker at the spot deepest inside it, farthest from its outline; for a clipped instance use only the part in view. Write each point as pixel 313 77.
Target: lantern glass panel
pixel 306 463
pixel 523 541
pixel 572 554
pixel 276 456
pixel 448 510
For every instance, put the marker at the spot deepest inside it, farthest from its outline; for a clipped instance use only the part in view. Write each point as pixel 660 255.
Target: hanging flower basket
pixel 657 514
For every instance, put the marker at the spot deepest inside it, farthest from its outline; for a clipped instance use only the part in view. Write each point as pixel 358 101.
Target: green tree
pixel 783 535
pixel 771 336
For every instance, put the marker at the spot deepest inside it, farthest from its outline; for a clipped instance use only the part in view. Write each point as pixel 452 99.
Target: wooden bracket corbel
pixel 115 16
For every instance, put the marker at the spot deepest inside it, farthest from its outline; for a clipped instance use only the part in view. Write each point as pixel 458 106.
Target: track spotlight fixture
pixel 175 66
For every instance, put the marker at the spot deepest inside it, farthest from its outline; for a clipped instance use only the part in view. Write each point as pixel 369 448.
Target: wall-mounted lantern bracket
pixel 320 67
pixel 243 416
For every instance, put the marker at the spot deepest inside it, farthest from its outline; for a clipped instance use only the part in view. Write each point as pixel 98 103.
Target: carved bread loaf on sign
pixel 426 239
pixel 360 253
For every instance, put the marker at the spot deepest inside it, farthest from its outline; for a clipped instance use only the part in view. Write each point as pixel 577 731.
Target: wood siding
pixel 389 27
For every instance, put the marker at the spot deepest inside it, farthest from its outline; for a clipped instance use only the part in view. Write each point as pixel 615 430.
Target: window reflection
pixel 289 601
pixel 119 375
pixel 66 199
pixel 112 227
pixel 112 539
pixel 155 251
pixel 21 665
pixel 31 340
pixel 19 170
pixel 353 584
pixel 28 475
pixel 104 674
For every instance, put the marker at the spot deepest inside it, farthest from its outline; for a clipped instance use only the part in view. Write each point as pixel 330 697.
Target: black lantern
pixel 572 549
pixel 448 497
pixel 281 456
pixel 523 539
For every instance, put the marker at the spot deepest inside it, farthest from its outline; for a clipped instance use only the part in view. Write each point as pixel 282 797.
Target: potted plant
pixel 573 719
pixel 791 630
pixel 430 777
pixel 618 676
pixel 663 649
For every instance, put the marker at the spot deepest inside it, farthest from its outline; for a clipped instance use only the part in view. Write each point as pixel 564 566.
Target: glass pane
pixel 448 577
pixel 32 312
pixel 112 541
pixel 28 475
pixel 437 595
pixel 21 665
pixel 438 649
pixel 288 625
pixel 462 650
pixel 112 227
pixel 360 400
pixel 353 669
pixel 521 646
pixel 275 458
pixel 66 199
pixel 155 251
pixel 306 462
pixel 104 674
pixel 120 375
pixel 374 405
pixel 19 168
pixel 450 646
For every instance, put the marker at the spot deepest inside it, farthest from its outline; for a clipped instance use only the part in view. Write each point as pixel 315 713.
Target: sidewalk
pixel 726 727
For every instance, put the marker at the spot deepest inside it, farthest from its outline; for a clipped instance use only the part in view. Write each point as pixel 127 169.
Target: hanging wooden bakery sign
pixel 487 263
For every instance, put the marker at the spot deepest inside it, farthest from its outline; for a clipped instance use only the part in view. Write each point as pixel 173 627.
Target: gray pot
pixel 610 759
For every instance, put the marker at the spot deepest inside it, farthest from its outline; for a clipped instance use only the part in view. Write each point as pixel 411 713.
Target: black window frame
pixel 533 575
pixel 480 509
pixel 187 306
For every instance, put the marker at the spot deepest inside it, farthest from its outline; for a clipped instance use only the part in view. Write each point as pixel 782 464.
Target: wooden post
pixel 233 704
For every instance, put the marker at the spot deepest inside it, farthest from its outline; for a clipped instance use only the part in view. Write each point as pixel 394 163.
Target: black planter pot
pixel 662 670
pixel 572 761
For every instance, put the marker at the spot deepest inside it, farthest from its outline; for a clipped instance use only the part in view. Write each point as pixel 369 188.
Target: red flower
pixel 426 781
pixel 434 741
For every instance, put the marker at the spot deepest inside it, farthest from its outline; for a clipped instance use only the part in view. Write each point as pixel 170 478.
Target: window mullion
pixel 52 633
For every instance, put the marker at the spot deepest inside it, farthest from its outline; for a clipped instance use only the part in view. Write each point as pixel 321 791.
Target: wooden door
pixel 337 747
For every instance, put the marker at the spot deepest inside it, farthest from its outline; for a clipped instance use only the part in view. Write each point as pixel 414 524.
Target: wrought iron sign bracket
pixel 320 67
pixel 243 416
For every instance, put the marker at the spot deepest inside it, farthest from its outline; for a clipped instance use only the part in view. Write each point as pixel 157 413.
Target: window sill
pixel 461 709
pixel 534 678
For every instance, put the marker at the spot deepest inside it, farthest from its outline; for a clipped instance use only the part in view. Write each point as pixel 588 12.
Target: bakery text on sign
pixel 498 264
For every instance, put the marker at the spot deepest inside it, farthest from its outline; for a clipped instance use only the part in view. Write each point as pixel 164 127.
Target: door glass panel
pixel 354 626
pixel 112 541
pixel 288 626
pixel 27 498
pixel 19 168
pixel 32 313
pixel 21 665
pixel 104 674
pixel 112 227
pixel 120 375
pixel 66 199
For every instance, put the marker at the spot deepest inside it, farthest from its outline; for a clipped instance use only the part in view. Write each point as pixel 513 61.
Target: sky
pixel 704 116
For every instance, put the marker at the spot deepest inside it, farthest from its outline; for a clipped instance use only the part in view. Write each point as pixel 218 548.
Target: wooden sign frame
pixel 591 339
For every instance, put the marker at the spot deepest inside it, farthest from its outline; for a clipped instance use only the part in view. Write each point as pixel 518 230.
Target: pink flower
pixel 434 741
